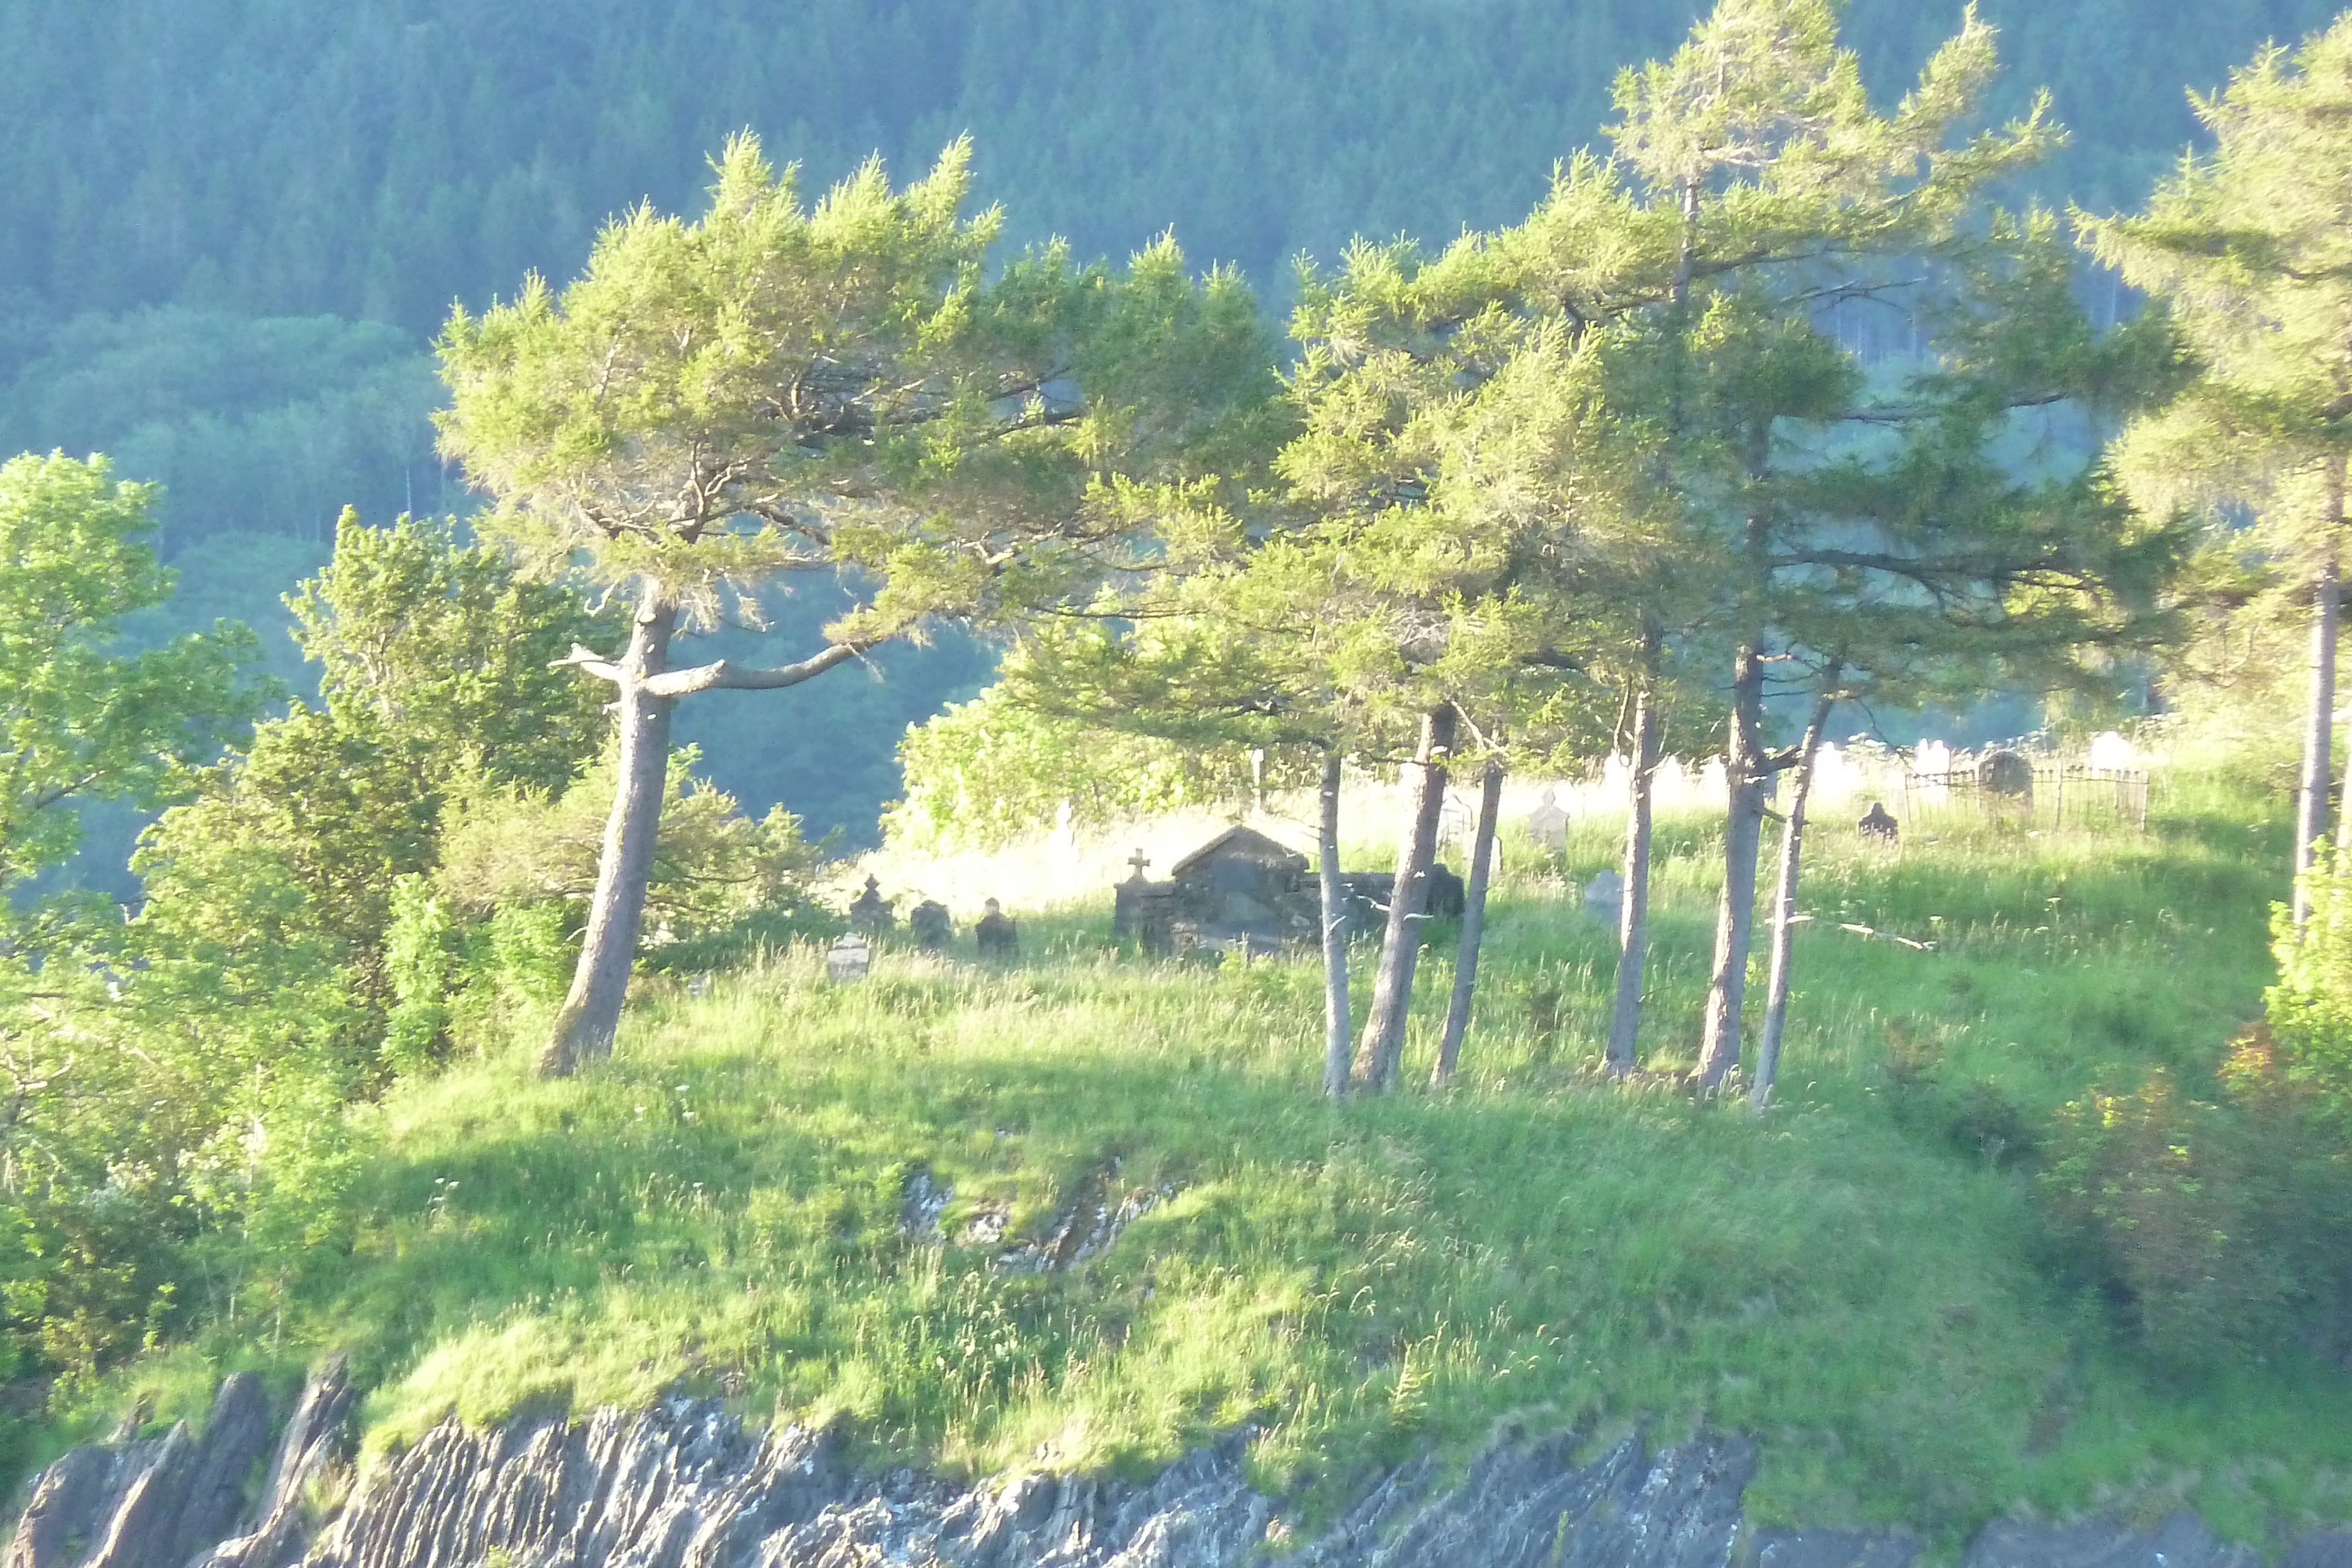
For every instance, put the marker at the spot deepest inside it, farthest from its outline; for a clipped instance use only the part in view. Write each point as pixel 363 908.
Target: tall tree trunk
pixel 1633 917
pixel 584 1028
pixel 1473 928
pixel 1383 1044
pixel 1338 1029
pixel 2318 736
pixel 1744 770
pixel 1784 907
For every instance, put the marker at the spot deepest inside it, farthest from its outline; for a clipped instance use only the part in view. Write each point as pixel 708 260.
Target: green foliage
pixel 269 425
pixel 344 808
pixel 2219 1231
pixel 446 646
pixel 2309 1011
pixel 418 956
pixel 713 866
pixel 435 678
pixel 2224 1227
pixel 690 411
pixel 992 769
pixel 473 142
pixel 79 720
pixel 525 955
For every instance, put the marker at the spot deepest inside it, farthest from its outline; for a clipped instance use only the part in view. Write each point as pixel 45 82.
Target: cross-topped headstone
pixel 1138 860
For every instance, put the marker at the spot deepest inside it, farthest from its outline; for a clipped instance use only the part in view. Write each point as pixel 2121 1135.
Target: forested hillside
pixel 378 159
pixel 232 228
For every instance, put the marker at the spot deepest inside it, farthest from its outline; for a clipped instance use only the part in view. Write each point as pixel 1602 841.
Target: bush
pixel 1974 1117
pixel 2216 1229
pixel 2309 1012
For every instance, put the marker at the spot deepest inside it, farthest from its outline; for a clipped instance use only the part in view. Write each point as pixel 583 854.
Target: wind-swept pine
pixel 776 389
pixel 2249 248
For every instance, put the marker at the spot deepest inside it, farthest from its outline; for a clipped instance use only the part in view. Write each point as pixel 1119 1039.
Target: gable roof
pixel 1246 840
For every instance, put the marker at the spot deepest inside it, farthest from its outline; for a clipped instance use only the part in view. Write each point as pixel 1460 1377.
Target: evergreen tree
pixel 776 389
pixel 2247 248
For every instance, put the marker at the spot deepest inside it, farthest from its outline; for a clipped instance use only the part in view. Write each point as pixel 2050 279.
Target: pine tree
pixel 2247 248
pixel 1791 193
pixel 841 389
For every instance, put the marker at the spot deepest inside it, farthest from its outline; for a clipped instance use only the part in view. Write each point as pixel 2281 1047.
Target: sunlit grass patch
pixel 1856 1278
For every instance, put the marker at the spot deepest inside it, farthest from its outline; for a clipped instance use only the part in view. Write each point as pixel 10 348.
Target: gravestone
pixel 849 959
pixel 931 926
pixel 1604 896
pixel 1369 892
pixel 1880 827
pixel 871 911
pixel 1547 824
pixel 1447 899
pixel 997 934
pixel 2005 777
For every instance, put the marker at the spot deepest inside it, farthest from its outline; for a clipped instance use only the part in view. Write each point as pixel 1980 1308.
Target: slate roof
pixel 1245 839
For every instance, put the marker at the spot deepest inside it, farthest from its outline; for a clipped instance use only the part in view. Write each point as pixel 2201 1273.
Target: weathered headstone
pixel 997 933
pixel 931 926
pixel 1879 825
pixel 2004 778
pixel 871 911
pixel 1548 824
pixel 1446 898
pixel 849 960
pixel 1604 895
pixel 1369 894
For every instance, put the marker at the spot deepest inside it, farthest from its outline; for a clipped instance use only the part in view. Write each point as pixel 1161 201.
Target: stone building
pixel 1241 892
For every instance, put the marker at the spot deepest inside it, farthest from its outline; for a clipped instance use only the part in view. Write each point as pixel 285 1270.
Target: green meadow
pixel 1865 1278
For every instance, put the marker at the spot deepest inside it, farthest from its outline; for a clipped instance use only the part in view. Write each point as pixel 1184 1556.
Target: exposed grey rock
pixel 1090 1225
pixel 2180 1541
pixel 278 1531
pixel 687 1484
pixel 151 1504
pixel 920 1203
pixel 72 1499
pixel 2327 1550
pixel 1833 1549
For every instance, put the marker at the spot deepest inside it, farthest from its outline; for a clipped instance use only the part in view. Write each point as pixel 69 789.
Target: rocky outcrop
pixel 686 1485
pixel 151 1504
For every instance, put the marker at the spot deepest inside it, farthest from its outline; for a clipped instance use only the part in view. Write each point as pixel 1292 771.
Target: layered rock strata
pixel 686 1485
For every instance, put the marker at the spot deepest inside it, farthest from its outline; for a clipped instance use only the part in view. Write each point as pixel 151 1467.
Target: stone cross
pixel 1138 861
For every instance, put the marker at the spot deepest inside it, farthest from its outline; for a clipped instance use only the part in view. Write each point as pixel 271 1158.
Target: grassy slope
pixel 1853 1278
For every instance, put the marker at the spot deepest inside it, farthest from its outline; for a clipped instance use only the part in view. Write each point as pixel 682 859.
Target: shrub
pixel 2215 1230
pixel 2309 1012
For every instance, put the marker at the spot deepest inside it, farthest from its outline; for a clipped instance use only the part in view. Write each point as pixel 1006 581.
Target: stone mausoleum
pixel 1241 892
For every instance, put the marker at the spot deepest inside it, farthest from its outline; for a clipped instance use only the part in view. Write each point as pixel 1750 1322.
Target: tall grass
pixel 1859 1278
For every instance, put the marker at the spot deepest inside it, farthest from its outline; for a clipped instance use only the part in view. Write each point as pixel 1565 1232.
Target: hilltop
pixel 855 1203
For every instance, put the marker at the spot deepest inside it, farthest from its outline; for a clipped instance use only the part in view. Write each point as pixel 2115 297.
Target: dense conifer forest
pixel 233 229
